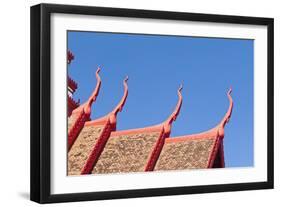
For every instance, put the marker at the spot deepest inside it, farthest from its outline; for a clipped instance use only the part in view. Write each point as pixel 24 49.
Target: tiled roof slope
pixel 127 152
pixel 190 153
pixel 80 151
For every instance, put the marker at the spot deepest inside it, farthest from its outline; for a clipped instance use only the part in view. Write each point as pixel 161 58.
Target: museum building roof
pixel 96 146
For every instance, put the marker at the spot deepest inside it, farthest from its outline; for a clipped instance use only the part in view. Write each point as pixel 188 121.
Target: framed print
pixel 133 103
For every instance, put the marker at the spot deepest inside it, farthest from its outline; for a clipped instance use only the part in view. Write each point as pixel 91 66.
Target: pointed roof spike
pixel 95 93
pixel 119 107
pixel 176 111
pixel 227 115
pixel 174 115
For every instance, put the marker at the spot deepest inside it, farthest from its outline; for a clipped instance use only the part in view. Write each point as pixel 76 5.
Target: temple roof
pixel 132 150
pixel 96 146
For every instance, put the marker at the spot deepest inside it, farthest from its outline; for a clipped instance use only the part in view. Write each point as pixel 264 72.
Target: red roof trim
pixel 96 122
pixel 137 131
pixel 76 128
pixel 221 151
pixel 155 153
pixel 97 150
pixel 190 137
pixel 214 152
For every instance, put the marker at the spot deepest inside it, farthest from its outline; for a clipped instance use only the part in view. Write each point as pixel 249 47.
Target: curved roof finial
pixel 174 115
pixel 119 107
pixel 229 111
pixel 95 93
pixel 226 118
pixel 176 111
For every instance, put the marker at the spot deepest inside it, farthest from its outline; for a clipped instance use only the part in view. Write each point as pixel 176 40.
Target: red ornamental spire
pixel 227 115
pixel 119 107
pixel 70 57
pixel 229 111
pixel 94 95
pixel 174 115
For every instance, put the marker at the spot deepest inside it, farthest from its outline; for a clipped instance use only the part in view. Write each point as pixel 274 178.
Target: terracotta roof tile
pixel 126 153
pixel 81 149
pixel 186 154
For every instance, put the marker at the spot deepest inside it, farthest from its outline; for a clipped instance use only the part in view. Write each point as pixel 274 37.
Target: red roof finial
pixel 119 107
pixel 229 111
pixel 173 116
pixel 70 57
pixel 227 115
pixel 95 93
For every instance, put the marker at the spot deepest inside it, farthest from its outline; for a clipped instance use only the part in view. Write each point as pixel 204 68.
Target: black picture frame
pixel 41 98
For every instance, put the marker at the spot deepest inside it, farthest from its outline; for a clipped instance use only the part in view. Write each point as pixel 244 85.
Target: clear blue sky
pixel 156 66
